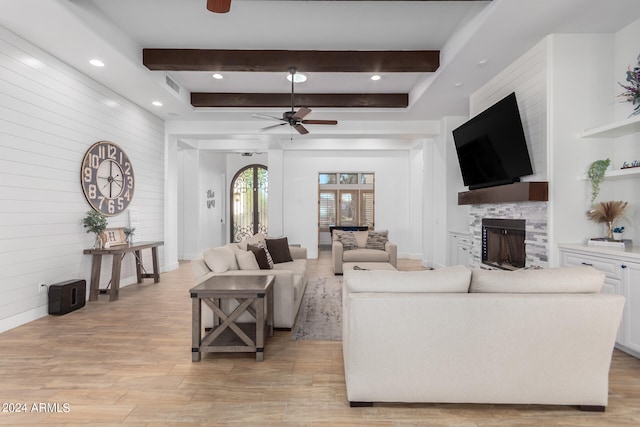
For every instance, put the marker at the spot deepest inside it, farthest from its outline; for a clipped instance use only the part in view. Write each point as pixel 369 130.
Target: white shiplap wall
pixel 527 77
pixel 50 114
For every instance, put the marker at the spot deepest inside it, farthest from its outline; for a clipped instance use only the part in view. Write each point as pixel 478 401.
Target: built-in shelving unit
pixel 615 129
pixel 620 173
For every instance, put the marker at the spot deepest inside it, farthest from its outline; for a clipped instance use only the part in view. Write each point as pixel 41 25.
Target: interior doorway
pixel 249 202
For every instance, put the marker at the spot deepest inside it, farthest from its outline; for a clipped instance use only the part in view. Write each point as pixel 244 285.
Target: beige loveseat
pixel 290 277
pixel 362 246
pixel 456 336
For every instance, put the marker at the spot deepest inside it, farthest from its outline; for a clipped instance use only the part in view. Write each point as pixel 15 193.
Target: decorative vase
pixel 617 236
pixel 98 243
pixel 610 232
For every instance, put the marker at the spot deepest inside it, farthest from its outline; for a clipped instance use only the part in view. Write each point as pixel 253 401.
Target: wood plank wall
pixel 49 116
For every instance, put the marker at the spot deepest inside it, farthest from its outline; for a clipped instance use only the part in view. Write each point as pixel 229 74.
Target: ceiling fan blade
pixel 301 129
pixel 301 113
pixel 219 6
pixel 265 117
pixel 320 122
pixel 271 127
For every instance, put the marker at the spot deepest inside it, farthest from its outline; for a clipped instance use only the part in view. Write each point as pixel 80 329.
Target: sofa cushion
pixel 377 240
pixel 550 280
pixel 361 238
pixel 246 260
pixel 365 255
pixel 279 250
pixel 443 280
pixel 260 254
pixel 298 267
pixel 220 259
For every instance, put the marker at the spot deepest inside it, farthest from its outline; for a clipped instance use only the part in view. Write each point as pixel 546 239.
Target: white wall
pixel 392 188
pixel 50 115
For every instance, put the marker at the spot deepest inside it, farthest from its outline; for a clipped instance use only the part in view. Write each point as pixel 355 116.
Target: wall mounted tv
pixel 491 146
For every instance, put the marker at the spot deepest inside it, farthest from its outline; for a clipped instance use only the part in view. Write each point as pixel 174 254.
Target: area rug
pixel 320 314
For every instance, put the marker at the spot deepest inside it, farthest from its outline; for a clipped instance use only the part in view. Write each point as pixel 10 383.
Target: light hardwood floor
pixel 128 362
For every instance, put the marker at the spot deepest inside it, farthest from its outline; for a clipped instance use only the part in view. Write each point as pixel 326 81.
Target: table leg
pixel 115 277
pixel 138 255
pixel 260 328
pixel 196 328
pixel 156 270
pixel 94 288
pixel 270 311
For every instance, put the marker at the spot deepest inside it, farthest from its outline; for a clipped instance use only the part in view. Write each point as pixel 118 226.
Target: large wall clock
pixel 107 178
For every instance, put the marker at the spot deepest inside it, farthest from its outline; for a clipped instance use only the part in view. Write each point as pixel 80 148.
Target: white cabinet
pixel 460 249
pixel 622 277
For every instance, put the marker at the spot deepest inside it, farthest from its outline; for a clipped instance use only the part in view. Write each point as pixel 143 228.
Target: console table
pixel 118 253
pixel 230 335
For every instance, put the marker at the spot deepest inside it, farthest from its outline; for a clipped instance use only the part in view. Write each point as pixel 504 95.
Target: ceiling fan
pixel 293 118
pixel 219 6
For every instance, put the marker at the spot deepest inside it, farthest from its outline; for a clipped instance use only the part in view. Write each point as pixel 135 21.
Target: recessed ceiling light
pixel 298 78
pixel 111 103
pixel 157 103
pixel 375 77
pixel 482 62
pixel 457 84
pixel 217 76
pixel 32 62
pixel 96 63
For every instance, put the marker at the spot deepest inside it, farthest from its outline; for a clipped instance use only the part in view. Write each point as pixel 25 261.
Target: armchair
pixel 362 246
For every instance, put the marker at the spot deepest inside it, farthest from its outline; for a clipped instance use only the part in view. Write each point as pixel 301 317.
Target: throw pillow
pixel 246 260
pixel 261 257
pixel 263 245
pixel 377 240
pixel 220 259
pixel 279 250
pixel 348 240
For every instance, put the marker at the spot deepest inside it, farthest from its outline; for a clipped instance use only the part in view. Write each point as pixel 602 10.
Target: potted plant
pixel 617 233
pixel 128 233
pixel 595 174
pixel 95 222
pixel 607 212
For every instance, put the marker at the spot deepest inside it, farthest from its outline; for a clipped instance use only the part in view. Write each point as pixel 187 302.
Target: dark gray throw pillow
pixel 261 257
pixel 279 250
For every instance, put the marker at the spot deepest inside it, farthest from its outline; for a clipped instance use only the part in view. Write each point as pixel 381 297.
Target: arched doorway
pixel 249 197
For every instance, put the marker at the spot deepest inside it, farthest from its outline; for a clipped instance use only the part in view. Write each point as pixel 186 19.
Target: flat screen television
pixel 491 146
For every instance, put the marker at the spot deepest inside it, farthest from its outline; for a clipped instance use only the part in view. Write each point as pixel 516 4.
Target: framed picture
pixel 114 236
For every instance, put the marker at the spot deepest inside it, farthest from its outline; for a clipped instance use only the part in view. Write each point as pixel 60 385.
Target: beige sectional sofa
pixel 362 246
pixel 290 277
pixel 454 335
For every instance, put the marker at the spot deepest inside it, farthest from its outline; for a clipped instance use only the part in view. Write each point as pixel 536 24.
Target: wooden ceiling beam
pixel 336 61
pixel 313 100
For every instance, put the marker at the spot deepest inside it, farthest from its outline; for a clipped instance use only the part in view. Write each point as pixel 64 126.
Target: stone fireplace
pixel 533 239
pixel 503 243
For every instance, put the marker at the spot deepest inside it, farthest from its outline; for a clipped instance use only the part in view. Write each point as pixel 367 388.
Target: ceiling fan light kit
pixel 294 118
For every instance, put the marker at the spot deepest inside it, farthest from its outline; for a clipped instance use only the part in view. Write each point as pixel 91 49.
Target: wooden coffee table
pixel 227 335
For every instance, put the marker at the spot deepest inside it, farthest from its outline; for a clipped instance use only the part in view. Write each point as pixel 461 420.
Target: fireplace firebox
pixel 503 243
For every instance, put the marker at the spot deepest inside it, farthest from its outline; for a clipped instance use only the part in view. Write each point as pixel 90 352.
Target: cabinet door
pixel 464 256
pixel 631 282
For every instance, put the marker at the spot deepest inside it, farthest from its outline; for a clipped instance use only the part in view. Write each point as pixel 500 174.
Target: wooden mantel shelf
pixel 516 192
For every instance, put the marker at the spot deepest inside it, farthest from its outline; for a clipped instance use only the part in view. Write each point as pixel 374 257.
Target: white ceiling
pixel 466 32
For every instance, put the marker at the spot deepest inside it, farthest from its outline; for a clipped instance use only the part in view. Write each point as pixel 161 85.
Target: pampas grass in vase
pixel 608 213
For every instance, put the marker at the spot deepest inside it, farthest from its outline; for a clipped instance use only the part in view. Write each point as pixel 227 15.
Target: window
pixel 345 199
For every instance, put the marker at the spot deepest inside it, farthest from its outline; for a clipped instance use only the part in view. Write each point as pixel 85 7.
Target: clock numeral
pixel 111 206
pixel 112 151
pixel 88 174
pixel 101 151
pixel 129 181
pixel 127 168
pixel 120 204
pixel 127 195
pixel 101 201
pixel 94 161
pixel 93 191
